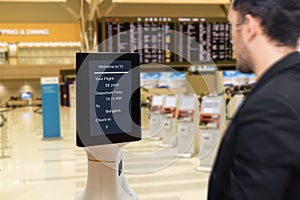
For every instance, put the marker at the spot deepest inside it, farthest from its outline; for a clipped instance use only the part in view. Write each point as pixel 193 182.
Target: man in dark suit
pixel 259 157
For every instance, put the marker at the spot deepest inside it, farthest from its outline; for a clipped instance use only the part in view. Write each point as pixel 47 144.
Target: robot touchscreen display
pixel 107 88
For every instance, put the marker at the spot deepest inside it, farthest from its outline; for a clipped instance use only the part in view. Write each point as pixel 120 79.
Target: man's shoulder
pixel 285 84
pixel 280 91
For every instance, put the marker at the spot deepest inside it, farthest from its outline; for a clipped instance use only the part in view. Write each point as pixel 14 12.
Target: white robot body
pixel 106 179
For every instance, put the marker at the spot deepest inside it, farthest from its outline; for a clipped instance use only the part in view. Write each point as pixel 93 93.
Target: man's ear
pixel 252 26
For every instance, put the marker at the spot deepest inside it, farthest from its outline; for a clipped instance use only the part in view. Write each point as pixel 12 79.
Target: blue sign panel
pixel 50 108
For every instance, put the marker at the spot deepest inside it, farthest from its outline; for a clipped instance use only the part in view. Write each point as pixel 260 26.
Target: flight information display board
pixel 151 39
pixel 107 88
pixel 167 40
pixel 203 42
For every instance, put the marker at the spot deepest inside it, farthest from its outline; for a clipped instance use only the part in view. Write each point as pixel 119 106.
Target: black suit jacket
pixel 259 157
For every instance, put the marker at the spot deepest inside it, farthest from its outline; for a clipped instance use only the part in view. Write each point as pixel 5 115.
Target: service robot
pixel 107 118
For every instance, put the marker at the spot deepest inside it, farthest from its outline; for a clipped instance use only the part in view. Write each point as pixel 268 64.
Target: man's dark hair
pixel 280 19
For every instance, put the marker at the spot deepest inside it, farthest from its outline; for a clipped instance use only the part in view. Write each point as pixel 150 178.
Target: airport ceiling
pixel 69 11
pixel 34 11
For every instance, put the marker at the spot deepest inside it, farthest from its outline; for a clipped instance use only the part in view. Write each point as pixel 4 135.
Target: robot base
pixel 106 179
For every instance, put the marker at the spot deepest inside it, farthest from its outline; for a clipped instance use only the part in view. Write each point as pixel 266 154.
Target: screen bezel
pixel 83 132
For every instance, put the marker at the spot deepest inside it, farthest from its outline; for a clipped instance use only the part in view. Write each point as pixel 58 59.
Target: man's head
pixel 275 21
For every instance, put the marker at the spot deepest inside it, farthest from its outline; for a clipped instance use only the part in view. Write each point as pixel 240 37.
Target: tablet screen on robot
pixel 107 98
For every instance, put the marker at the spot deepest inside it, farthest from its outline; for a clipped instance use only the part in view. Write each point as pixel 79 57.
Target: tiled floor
pixel 56 169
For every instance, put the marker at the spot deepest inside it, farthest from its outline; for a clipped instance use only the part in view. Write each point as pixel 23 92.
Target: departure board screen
pixel 188 42
pixel 152 40
pixel 167 40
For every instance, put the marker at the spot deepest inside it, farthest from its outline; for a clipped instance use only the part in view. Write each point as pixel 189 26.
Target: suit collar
pixel 284 64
